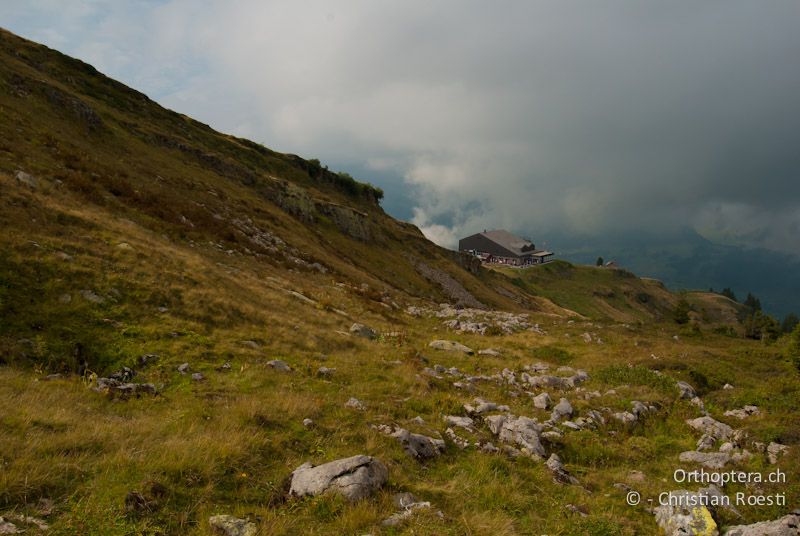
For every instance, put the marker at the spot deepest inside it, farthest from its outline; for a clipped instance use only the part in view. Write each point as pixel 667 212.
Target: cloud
pixel 537 116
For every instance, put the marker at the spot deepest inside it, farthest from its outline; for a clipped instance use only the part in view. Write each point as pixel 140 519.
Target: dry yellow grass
pixel 196 292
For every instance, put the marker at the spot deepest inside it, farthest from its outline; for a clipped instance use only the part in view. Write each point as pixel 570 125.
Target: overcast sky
pixel 584 117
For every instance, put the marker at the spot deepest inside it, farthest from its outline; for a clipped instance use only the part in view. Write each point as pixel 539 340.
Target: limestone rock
pixel 625 417
pixel 418 446
pixel 786 526
pixel 743 413
pixel 639 409
pixel 407 511
pixel 226 525
pixel 360 330
pixel 26 179
pixel 12 522
pixel 7 527
pixel 563 409
pixel 523 432
pixel 122 390
pixel 775 451
pixel 537 368
pixel 542 401
pixel 685 514
pixel 279 365
pixel 354 478
pixel 490 352
pixel 706 442
pixel 712 427
pixel 545 381
pixel 404 500
pixel 481 406
pixel 91 296
pixel 595 417
pixel 354 403
pixel 711 460
pixel 460 422
pixel 326 372
pixel 560 474
pixel 457 440
pixel 686 390
pixel 450 346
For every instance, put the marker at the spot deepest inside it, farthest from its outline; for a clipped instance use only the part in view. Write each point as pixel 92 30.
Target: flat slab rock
pixel 711 460
pixel 482 406
pixel 450 346
pixel 225 525
pixel 711 427
pixel 785 526
pixel 743 413
pixel 460 422
pixel 354 478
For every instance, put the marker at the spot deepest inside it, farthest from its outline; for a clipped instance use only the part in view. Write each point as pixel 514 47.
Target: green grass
pixel 552 354
pixel 193 293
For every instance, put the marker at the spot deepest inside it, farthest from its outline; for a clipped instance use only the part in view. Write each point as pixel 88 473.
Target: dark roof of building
pixel 519 246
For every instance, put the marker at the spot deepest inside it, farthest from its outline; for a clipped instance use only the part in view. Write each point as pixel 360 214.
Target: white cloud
pixel 534 117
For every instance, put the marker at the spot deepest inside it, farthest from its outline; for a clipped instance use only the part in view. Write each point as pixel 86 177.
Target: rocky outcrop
pixel 522 432
pixel 452 288
pixel 354 478
pixel 474 320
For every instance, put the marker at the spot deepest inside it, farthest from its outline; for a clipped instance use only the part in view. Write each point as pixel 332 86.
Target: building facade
pixel 502 247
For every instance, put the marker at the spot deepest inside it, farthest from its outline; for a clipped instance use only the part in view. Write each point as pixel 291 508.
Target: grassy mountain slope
pixel 618 295
pixel 113 167
pixel 136 231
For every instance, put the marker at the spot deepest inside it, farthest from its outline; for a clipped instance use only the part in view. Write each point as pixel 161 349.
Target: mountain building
pixel 501 247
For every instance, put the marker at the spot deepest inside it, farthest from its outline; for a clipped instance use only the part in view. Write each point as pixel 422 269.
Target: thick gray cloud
pixel 585 117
